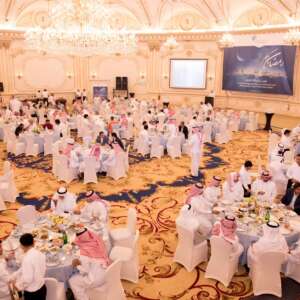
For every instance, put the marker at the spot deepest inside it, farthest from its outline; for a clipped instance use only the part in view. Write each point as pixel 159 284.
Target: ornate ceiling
pixel 153 15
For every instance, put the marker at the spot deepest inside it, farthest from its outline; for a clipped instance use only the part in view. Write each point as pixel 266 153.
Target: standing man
pixel 31 276
pixel 84 95
pixel 196 145
pixel 45 95
pixel 246 177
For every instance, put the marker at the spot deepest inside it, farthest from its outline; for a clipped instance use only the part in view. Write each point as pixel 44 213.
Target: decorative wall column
pixel 5 70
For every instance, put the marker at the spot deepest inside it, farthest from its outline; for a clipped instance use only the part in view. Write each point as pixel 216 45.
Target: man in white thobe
pixel 202 211
pixel 63 201
pixel 196 145
pixel 4 277
pixel 264 188
pixel 91 265
pixel 213 192
pixel 96 208
pixel 233 188
pixel 15 105
pixel 271 241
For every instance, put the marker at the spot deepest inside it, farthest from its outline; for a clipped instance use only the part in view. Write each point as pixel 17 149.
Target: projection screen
pixel 188 73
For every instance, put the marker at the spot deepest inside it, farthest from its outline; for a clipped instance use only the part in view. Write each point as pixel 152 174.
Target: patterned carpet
pixel 156 188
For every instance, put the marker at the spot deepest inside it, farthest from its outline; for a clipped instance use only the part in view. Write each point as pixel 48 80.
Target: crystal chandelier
pixel 81 28
pixel 293 36
pixel 226 40
pixel 171 43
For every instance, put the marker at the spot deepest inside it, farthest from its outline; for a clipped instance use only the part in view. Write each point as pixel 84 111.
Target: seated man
pixel 48 125
pixel 96 208
pixel 271 241
pixel 102 139
pixel 91 265
pixel 4 277
pixel 233 188
pixel 63 201
pixel 264 188
pixel 213 191
pixel 293 172
pixel 226 228
pixel 201 208
pixel 31 276
pixel 109 161
pixel 292 198
pixel 69 147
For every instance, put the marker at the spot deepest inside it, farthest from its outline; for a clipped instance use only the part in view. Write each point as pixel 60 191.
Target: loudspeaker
pixel 124 83
pixel 1 87
pixel 210 100
pixel 118 83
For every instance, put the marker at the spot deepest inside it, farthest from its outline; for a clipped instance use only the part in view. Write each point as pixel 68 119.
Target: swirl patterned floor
pixel 156 188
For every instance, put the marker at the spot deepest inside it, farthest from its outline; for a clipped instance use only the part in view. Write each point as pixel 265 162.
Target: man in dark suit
pixel 182 128
pixel 102 139
pixel 292 198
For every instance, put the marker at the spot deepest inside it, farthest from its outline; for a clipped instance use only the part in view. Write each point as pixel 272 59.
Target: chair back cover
pixel 26 214
pixel 131 220
pixel 51 284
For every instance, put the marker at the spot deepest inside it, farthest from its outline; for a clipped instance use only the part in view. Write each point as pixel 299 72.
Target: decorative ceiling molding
pixel 11 35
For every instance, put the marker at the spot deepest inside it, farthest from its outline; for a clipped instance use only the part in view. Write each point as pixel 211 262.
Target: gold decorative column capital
pixel 154 45
pixel 5 44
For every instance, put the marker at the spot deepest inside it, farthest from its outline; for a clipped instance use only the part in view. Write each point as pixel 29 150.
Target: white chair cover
pixel 55 289
pixel 48 143
pixel 293 268
pixel 112 289
pixel 55 155
pixel 117 170
pixel 126 159
pixel 64 172
pixel 174 146
pixel 124 236
pixel 265 272
pixel 187 252
pixel 31 147
pixel 143 146
pixel 90 170
pixel 222 255
pixel 273 141
pixel 8 190
pixel 27 214
pixel 157 150
pixel 129 258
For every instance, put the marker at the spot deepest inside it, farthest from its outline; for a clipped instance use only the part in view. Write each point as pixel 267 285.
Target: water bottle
pixel 65 238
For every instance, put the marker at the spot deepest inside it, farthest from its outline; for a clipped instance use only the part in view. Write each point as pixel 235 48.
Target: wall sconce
pixel 94 75
pixel 69 75
pixel 165 76
pixel 142 76
pixel 19 75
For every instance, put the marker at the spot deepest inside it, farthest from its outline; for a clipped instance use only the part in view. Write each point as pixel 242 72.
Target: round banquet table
pixel 249 232
pixel 63 269
pixel 247 239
